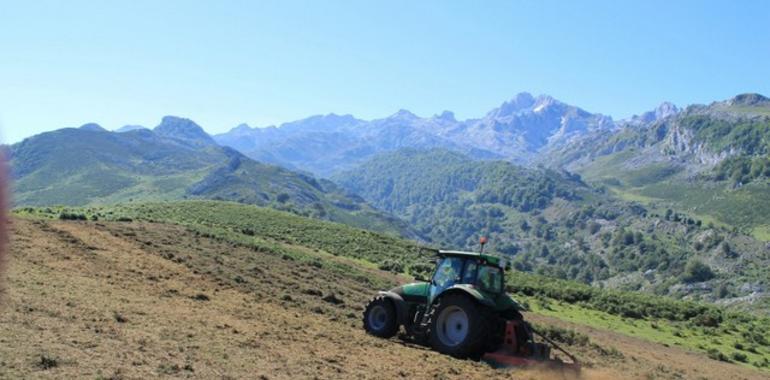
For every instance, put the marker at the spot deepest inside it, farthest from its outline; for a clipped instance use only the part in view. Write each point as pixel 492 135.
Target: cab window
pixel 448 272
pixel 490 278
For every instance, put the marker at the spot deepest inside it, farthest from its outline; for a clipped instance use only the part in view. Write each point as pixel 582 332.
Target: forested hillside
pixel 554 224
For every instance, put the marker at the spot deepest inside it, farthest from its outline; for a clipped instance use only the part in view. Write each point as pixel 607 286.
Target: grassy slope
pixel 274 231
pixel 130 304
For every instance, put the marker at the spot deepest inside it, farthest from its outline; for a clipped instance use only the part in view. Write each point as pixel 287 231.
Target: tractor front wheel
pixel 380 318
pixel 457 327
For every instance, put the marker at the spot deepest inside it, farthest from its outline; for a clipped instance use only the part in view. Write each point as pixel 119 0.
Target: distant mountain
pixel 553 223
pixel 175 160
pixel 515 131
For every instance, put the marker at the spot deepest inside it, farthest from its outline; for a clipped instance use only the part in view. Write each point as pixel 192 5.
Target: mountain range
pixel 516 131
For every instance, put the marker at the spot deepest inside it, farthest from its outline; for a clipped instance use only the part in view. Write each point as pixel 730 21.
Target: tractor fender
pixel 470 291
pixel 402 309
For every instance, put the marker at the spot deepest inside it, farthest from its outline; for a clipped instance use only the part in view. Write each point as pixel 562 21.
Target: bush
pixel 47 362
pixel 710 318
pixel 739 357
pixel 72 216
pixel 715 354
pixel 696 271
pixel 391 266
pixel 201 297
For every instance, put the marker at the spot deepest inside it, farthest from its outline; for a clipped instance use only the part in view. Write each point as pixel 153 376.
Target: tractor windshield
pixel 490 278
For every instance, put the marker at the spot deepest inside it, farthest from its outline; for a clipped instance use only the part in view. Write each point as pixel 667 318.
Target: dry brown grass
pixel 133 300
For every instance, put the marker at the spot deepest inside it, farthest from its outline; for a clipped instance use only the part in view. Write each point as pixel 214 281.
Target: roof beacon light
pixel 482 241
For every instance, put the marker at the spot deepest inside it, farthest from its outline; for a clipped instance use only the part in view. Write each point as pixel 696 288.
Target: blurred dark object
pixel 4 203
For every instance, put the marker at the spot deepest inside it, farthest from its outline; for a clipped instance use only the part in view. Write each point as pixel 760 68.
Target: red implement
pixel 517 350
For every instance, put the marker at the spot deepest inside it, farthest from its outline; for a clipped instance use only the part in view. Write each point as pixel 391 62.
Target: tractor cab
pixel 477 271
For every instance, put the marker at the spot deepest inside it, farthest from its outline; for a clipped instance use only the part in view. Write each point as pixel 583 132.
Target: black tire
pixel 454 314
pixel 380 318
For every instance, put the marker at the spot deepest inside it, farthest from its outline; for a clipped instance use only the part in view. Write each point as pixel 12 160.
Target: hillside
pixel 206 298
pixel 517 130
pixel 708 160
pixel 554 224
pixel 176 160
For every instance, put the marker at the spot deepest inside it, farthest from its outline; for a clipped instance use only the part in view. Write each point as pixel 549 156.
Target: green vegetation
pixel 749 136
pixel 721 334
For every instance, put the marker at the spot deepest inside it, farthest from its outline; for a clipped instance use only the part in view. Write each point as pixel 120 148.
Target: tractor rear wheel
pixel 458 328
pixel 380 318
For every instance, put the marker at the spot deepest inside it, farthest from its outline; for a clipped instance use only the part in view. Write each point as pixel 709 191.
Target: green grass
pixel 745 208
pixel 761 232
pixel 669 333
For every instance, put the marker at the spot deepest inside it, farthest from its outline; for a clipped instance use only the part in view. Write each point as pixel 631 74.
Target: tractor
pixel 463 311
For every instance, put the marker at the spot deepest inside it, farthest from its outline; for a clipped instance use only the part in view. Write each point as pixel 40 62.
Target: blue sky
pixel 221 63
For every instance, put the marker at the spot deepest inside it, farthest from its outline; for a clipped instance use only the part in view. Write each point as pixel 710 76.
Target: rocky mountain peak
pixel 243 127
pixel 403 114
pixel 446 116
pixel 749 99
pixel 521 102
pixel 665 110
pixel 182 129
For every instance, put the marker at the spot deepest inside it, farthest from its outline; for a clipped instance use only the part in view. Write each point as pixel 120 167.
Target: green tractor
pixel 463 311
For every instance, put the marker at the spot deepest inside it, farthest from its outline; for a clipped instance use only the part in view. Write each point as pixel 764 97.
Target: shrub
pixel 47 362
pixel 391 266
pixel 201 297
pixel 696 271
pixel 715 354
pixel 739 357
pixel 120 318
pixel 71 216
pixel 709 318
